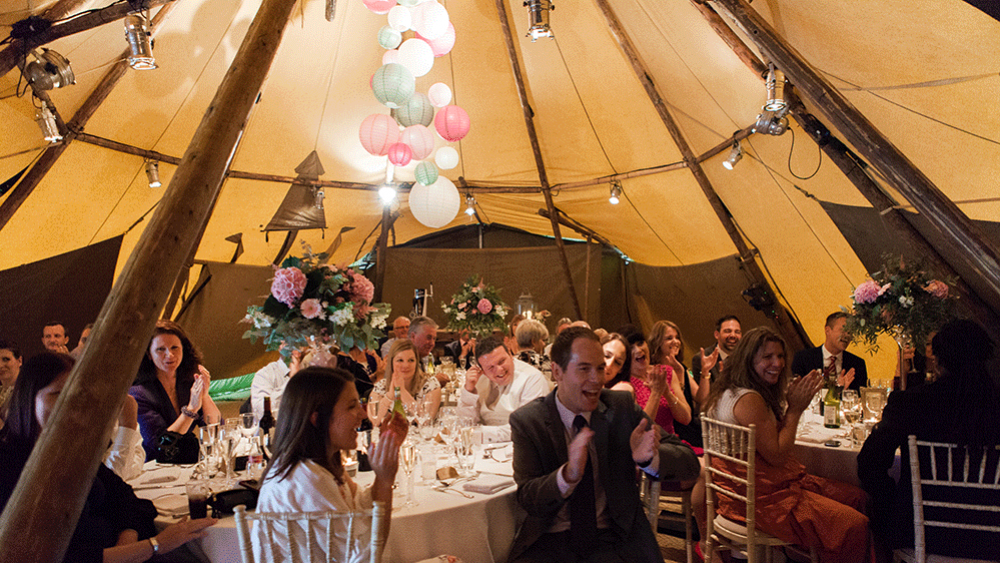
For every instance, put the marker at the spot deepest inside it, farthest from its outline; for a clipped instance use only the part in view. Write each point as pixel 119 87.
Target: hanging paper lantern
pixel 420 139
pixel 409 3
pixel 446 158
pixel 389 38
pixel 442 45
pixel 435 205
pixel 417 111
pixel 390 56
pixel 393 85
pixel 439 94
pixel 416 55
pixel 452 123
pixel 399 18
pixel 378 133
pixel 426 173
pixel 400 154
pixel 430 19
pixel 380 6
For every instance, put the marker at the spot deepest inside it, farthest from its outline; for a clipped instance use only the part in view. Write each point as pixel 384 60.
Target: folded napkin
pixel 488 484
pixel 163 476
pixel 496 460
pixel 175 505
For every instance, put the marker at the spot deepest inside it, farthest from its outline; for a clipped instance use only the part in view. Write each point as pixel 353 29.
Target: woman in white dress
pixel 320 414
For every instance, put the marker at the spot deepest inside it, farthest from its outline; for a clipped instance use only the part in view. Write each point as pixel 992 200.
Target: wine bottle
pixel 397 405
pixel 831 408
pixel 266 425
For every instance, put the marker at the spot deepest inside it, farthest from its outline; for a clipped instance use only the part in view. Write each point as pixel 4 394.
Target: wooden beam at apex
pixel 46 503
pixel 786 324
pixel 529 123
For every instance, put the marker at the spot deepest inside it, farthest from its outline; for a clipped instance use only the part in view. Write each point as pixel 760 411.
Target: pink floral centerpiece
pixel 476 307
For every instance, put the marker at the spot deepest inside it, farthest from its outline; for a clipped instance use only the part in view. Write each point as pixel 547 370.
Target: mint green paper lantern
pixel 417 111
pixel 409 3
pixel 393 85
pixel 426 173
pixel 389 38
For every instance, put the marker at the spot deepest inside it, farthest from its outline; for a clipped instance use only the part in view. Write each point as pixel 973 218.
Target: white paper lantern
pixel 417 56
pixel 440 94
pixel 435 205
pixel 446 158
pixel 390 56
pixel 430 20
pixel 420 140
pixel 399 18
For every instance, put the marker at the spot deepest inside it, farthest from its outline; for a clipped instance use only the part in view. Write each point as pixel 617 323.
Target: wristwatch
pixel 155 544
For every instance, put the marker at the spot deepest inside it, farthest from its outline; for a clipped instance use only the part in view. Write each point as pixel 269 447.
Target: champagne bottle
pixel 397 405
pixel 267 428
pixel 831 408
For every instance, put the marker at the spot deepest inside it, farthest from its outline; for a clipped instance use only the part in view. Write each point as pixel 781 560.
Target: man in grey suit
pixel 575 455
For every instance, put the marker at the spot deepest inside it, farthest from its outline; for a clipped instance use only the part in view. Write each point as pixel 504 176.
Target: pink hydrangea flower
pixel 484 306
pixel 311 308
pixel 361 289
pixel 867 292
pixel 288 285
pixel 361 310
pixel 937 288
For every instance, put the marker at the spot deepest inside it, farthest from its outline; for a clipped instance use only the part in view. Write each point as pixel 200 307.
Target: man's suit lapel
pixel 555 430
pixel 599 424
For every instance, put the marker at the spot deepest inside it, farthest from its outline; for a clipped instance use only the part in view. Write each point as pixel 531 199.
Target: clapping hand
pixel 658 378
pixel 708 362
pixel 194 403
pixel 802 389
pixel 578 452
pixel 644 442
pixel 845 378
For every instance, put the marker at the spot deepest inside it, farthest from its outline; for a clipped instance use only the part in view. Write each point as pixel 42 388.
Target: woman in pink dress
pixel 654 387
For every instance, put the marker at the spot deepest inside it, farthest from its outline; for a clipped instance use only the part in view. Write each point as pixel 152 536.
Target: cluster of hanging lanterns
pixel 405 135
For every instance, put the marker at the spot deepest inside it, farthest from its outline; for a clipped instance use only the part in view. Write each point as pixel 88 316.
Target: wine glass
pixel 229 438
pixel 248 425
pixel 875 401
pixel 374 398
pixel 409 459
pixel 208 437
pixel 425 419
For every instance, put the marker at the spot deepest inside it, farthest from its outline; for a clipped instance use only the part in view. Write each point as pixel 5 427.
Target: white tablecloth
pixel 478 530
pixel 839 463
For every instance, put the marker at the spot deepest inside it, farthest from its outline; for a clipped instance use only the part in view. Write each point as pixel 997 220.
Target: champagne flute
pixel 209 436
pixel 409 458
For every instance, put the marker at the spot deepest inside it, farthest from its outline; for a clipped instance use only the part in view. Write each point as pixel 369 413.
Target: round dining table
pixel 473 526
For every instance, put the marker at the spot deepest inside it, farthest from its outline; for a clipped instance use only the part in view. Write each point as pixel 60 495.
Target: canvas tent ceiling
pixel 924 73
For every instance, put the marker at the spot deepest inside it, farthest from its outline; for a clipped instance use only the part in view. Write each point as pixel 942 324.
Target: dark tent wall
pixel 70 288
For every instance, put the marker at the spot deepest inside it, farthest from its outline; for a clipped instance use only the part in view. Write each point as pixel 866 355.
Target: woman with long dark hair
pixel 115 526
pixel 656 387
pixel 617 355
pixel 171 387
pixel 796 507
pixel 962 406
pixel 320 414
pixel 666 347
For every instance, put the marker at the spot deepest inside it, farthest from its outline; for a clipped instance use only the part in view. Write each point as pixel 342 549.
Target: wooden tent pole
pixel 789 328
pixel 976 252
pixel 381 248
pixel 15 52
pixel 46 503
pixel 33 177
pixel 543 177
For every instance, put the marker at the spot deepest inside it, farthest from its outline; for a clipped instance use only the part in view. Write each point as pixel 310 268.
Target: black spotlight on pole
pixel 760 298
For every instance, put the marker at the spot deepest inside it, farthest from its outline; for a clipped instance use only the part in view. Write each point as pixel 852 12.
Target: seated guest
pixel 270 381
pixel 530 338
pixel 171 387
pixel 655 388
pixel 575 456
pixel 10 366
pixel 510 334
pixel 400 328
pixel 460 349
pixel 423 333
pixel 617 354
pixel 82 343
pixel 319 419
pixel 54 337
pixel 960 407
pixel 666 347
pixel 508 384
pixel 417 389
pixel 115 526
pixel 832 358
pixel 364 365
pixel 125 455
pixel 792 505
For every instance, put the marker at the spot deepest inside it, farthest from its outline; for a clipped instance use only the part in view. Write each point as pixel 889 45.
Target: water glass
pixel 428 462
pixel 464 450
pixel 198 493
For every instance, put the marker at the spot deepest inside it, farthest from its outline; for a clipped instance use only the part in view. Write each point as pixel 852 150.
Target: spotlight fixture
pixel 153 173
pixel 319 194
pixel 735 154
pixel 139 44
pixel 616 192
pixel 49 70
pixel 387 193
pixel 772 120
pixel 470 205
pixel 538 19
pixel 47 123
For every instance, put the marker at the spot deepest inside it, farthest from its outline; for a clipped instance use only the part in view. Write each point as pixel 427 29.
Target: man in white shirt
pixel 400 327
pixel 508 384
pixel 270 381
pixel 126 456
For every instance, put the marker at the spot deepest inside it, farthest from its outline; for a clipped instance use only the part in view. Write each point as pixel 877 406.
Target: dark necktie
pixel 583 505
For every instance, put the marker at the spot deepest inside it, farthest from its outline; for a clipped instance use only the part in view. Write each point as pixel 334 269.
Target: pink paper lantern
pixel 420 139
pixel 452 123
pixel 378 133
pixel 400 154
pixel 442 45
pixel 390 56
pixel 439 94
pixel 380 6
pixel 430 19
